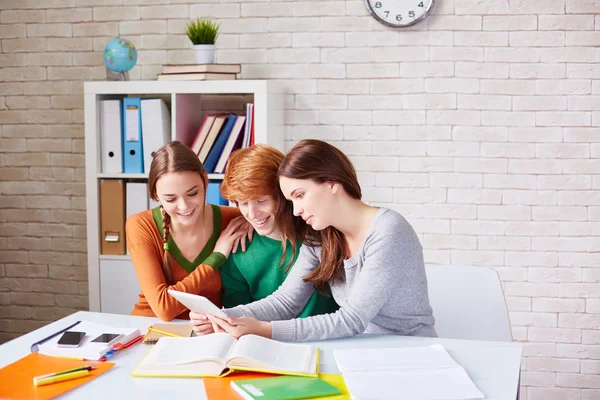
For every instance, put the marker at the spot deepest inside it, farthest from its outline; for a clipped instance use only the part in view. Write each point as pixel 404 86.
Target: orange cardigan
pixel 145 244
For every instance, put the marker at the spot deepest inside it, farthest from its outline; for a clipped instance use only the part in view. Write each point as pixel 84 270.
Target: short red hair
pixel 251 173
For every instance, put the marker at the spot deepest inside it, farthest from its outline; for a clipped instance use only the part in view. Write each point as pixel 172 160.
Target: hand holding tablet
pixel 198 304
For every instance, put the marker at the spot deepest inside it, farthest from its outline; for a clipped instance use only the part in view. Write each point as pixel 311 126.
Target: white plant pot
pixel 205 53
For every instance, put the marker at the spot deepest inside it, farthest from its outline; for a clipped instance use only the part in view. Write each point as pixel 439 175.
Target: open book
pixel 219 353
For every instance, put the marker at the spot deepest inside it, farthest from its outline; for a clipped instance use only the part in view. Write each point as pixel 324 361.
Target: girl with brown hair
pixel 251 182
pixel 181 244
pixel 370 257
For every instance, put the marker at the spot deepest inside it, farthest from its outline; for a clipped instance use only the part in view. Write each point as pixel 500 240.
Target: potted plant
pixel 203 33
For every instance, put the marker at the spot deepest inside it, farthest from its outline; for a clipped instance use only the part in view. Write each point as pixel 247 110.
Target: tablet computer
pixel 198 304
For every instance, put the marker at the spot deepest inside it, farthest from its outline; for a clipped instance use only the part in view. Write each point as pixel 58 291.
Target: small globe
pixel 120 55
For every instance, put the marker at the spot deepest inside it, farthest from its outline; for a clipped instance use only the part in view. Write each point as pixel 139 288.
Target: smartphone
pixel 71 339
pixel 108 338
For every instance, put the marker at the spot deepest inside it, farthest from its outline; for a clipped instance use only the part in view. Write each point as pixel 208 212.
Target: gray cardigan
pixel 384 290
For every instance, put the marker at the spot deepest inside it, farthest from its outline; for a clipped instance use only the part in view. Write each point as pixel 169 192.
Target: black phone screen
pixel 106 338
pixel 71 338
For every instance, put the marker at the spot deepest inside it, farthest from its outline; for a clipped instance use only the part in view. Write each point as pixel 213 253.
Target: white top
pixel 493 366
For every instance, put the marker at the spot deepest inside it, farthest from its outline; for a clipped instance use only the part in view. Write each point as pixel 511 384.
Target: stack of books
pixel 199 72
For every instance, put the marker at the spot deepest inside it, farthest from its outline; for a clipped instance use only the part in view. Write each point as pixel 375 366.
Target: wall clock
pixel 399 13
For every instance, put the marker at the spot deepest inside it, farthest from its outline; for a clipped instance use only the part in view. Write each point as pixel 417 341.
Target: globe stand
pixel 116 76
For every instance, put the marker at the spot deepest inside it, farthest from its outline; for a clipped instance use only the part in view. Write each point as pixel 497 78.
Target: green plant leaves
pixel 202 31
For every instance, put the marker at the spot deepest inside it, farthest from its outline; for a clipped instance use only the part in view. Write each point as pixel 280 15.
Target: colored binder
pixel 112 217
pixel 213 194
pixel 111 127
pixel 133 157
pixel 156 128
pixel 217 149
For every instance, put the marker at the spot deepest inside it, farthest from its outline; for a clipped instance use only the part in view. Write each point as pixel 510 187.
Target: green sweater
pixel 255 274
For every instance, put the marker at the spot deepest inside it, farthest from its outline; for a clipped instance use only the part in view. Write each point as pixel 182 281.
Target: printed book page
pixel 177 351
pixel 273 355
pixel 180 357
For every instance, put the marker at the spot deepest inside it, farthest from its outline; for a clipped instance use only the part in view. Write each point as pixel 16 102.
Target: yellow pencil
pixel 163 332
pixel 60 378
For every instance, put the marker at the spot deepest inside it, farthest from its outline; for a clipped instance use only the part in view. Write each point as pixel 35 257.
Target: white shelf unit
pixel 113 286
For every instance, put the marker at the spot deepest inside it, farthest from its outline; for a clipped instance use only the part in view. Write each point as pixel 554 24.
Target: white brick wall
pixel 480 124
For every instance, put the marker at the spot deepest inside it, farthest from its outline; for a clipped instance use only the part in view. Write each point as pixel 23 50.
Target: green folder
pixel 283 388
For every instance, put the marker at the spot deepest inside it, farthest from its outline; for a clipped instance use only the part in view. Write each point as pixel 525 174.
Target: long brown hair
pixel 252 173
pixel 321 162
pixel 172 157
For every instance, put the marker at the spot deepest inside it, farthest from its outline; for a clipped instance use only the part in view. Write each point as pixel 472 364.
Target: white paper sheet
pixel 424 373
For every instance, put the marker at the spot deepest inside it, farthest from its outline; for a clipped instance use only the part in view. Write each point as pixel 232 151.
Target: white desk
pixel 493 366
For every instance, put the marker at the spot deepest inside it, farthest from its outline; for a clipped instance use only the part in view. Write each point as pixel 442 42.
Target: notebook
pixel 88 349
pixel 219 353
pixel 157 331
pixel 426 373
pixel 20 375
pixel 283 388
pixel 220 388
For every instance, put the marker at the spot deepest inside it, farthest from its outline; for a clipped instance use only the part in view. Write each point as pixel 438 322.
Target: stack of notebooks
pixel 199 72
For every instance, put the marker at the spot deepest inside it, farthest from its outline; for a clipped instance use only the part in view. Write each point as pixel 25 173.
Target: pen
pixel 120 347
pixel 60 378
pixel 163 332
pixel 86 367
pixel 34 347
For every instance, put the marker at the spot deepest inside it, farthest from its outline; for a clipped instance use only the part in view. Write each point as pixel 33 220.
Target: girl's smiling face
pixel 182 195
pixel 261 215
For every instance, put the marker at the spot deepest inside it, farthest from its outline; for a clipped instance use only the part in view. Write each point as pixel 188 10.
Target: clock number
pixel 387 13
pixel 399 17
pixel 421 4
pixel 411 14
pixel 378 4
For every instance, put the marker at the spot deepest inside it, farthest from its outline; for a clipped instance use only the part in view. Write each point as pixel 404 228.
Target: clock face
pixel 399 13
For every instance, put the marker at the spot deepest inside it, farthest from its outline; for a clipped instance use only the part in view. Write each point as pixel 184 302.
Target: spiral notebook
pixel 157 331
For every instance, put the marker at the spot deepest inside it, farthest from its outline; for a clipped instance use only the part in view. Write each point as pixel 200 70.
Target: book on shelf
pixel 202 68
pixel 206 76
pixel 219 353
pixel 203 131
pixel 211 137
pixel 249 124
pixel 213 155
pixel 283 388
pixel 234 142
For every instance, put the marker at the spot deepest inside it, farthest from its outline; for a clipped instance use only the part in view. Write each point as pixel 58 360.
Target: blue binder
pixel 133 153
pixel 215 152
pixel 213 194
